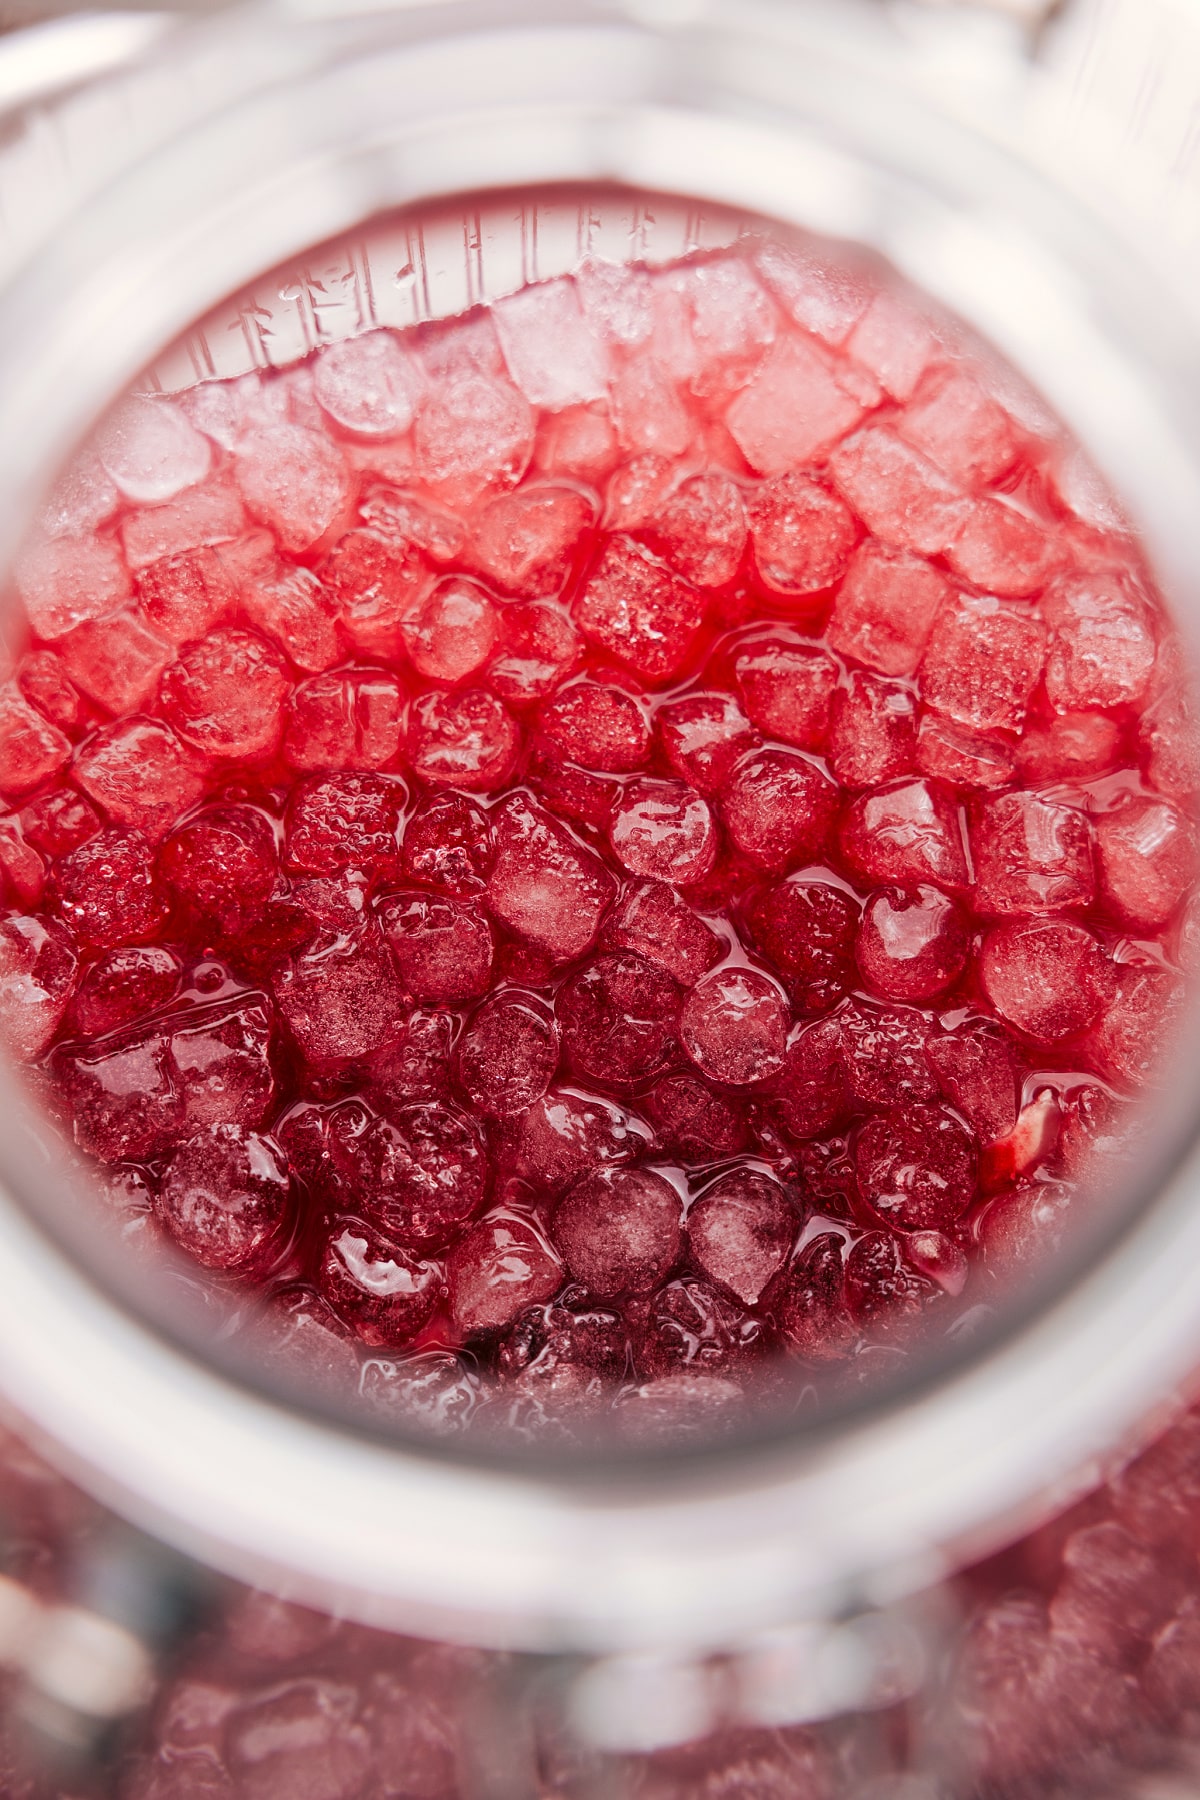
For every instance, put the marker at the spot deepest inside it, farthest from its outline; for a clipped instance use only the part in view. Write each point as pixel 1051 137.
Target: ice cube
pixel 639 611
pixel 1103 647
pixel 963 430
pixel 507 1055
pixel 452 632
pixel 38 962
pixel 384 1292
pixel 344 822
pixel 618 1231
pixel 872 731
pixel 618 1018
pixel 107 891
pixel 1147 858
pixel 663 831
pixel 778 809
pixel 648 413
pixel 31 748
pixel 544 886
pixel 701 530
pixel 884 610
pixel 567 1134
pixel 916 1169
pixel 653 922
pixel 341 996
pixel 293 607
pixel 528 542
pixel 539 648
pixel 1001 549
pixel 894 343
pixel 801 533
pixel 368 385
pixel 600 727
pixel 1048 977
pixel 442 948
pixel 805 930
pixel 198 518
pixel 897 493
pixel 294 480
pixel 375 586
pixel 65 581
pixel 466 739
pixel 740 1232
pixel 352 719
pixel 473 433
pixel 823 298
pixel 225 694
pixel 123 985
pixel 1032 855
pixel 983 662
pixel 703 736
pixel 793 411
pixel 912 943
pixel 500 1267
pixel 151 449
pixel 906 832
pixel 139 773
pixel 448 844
pixel 948 751
pixel 734 1026
pixel 552 354
pixel 185 596
pixel 116 661
pixel 788 692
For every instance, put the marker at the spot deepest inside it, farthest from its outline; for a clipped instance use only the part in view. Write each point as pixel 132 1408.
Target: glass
pixel 245 146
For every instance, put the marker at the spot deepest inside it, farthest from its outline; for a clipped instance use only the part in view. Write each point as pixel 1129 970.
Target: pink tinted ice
pixel 151 450
pixel 31 747
pixel 619 1231
pixel 788 693
pixel 663 831
pixel 885 608
pixel 778 809
pixel 912 943
pixel 64 581
pixel 472 433
pixel 294 480
pixel 352 719
pixel 37 973
pixel 140 774
pixel 734 1026
pixel 341 996
pixel 544 885
pixel 453 631
pixel 225 1199
pixel 465 740
pixel 801 534
pixel 741 1231
pixel 639 611
pixel 506 1057
pixel 793 411
pixel 500 1267
pixel 368 385
pixel 552 354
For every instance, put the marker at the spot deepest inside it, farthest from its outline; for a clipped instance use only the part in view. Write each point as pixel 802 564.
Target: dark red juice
pixel 613 852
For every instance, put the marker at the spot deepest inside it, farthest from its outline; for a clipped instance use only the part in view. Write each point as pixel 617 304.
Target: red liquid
pixel 618 837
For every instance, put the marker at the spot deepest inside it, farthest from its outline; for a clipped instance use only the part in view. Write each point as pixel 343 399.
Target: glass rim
pixel 756 1454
